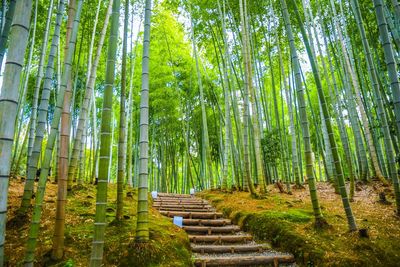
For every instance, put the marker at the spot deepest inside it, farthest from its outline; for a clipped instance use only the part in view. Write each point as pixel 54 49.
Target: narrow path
pixel 215 241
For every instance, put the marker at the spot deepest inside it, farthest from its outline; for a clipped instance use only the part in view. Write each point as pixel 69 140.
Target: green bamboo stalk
pixel 33 159
pixel 38 84
pixel 353 116
pixel 206 162
pixel 372 72
pixel 19 35
pixel 254 119
pixel 393 25
pixel 100 223
pixel 226 98
pixel 142 224
pixel 247 181
pixel 326 116
pixel 6 29
pixel 337 109
pixel 395 83
pixel 29 184
pixel 122 122
pixel 292 130
pixel 21 102
pixel 88 97
pixel 37 211
pixel 356 86
pixel 130 104
pixel 21 152
pixel 319 219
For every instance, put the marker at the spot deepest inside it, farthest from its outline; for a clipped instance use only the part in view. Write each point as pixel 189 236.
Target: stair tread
pixel 211 227
pixel 206 222
pixel 174 200
pixel 222 236
pixel 267 254
pixel 193 214
pixel 230 246
pixel 242 260
pixel 183 206
pixel 186 209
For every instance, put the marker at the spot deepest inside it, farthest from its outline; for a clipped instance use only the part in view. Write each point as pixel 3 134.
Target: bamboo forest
pixel 199 133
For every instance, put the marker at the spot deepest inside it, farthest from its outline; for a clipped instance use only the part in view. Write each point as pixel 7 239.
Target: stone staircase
pixel 215 241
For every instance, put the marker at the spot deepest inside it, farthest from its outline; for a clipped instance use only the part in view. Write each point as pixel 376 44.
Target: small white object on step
pixel 192 191
pixel 178 221
pixel 154 194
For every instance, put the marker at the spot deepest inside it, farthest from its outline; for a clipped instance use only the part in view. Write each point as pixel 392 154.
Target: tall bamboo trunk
pixel 319 219
pixel 9 104
pixel 88 99
pixel 33 124
pixel 122 122
pixel 21 102
pixel 33 159
pixel 6 30
pixel 142 224
pixel 337 110
pixel 58 238
pixel 326 116
pixel 96 256
pixel 254 110
pixel 38 82
pixel 247 181
pixel 225 64
pixel 377 94
pixel 353 116
pixel 393 76
pixel 130 117
pixel 84 106
pixel 356 87
pixel 37 211
pixel 206 163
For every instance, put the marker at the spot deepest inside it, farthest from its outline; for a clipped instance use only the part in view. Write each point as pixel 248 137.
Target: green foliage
pixel 69 263
pixel 271 146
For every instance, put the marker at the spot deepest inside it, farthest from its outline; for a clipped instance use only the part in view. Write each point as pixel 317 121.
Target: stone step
pixel 178 200
pixel 172 202
pixel 220 239
pixel 243 260
pixel 183 206
pixel 212 229
pixel 174 195
pixel 192 215
pixel 187 209
pixel 229 248
pixel 200 222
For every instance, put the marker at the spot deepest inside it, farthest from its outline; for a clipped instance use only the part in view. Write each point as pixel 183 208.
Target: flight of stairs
pixel 215 241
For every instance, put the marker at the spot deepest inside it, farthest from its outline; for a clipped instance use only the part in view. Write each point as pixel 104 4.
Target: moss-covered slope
pixel 287 222
pixel 169 245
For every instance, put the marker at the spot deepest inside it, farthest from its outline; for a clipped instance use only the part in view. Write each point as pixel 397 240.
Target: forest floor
pixel 287 222
pixel 169 245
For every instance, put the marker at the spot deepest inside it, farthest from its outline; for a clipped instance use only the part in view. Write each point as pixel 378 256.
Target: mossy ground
pixel 287 222
pixel 168 246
